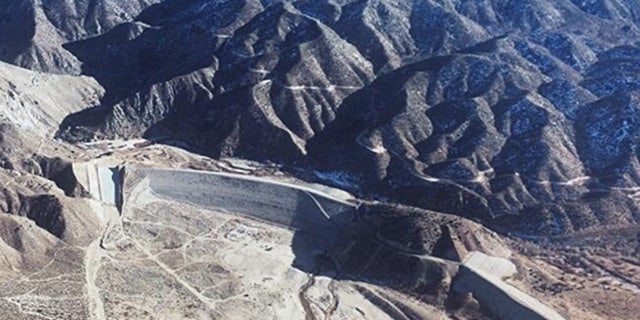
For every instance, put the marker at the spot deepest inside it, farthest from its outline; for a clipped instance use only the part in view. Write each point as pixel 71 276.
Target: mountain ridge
pixel 484 95
pixel 163 158
pixel 298 67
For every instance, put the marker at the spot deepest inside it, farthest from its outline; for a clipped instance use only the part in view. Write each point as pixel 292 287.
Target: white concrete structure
pixel 482 275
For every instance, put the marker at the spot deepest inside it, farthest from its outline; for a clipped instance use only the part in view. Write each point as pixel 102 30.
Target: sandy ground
pixel 171 260
pixel 196 245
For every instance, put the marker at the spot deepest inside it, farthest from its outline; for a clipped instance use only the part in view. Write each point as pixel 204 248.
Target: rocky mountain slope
pixel 520 115
pixel 34 31
pixel 486 109
pixel 37 102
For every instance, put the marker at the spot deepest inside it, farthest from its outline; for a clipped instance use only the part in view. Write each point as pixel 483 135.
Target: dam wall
pixel 281 203
pixel 320 217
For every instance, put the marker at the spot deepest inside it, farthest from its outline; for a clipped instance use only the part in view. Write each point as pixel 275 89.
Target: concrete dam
pixel 318 216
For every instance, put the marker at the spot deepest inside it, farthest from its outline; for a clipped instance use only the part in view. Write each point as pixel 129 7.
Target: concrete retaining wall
pixel 481 275
pixel 103 182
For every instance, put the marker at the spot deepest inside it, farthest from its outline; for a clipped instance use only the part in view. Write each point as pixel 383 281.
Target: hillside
pixel 168 159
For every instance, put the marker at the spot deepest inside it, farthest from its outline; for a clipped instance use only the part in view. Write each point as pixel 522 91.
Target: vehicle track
pixel 334 301
pixel 302 295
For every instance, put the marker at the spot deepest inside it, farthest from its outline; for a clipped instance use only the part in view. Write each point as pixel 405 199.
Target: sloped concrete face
pixel 316 217
pixel 482 275
pixel 102 181
pixel 498 268
pixel 286 205
pixel 108 187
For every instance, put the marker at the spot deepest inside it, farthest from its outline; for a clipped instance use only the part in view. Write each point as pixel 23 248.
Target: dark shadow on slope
pixel 134 61
pixel 230 125
pixel 368 108
pixel 316 237
pixel 45 211
pixel 336 148
pixel 60 171
pixel 17 29
pixel 155 48
pixel 352 245
pixel 132 58
pixel 393 248
pixel 124 67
